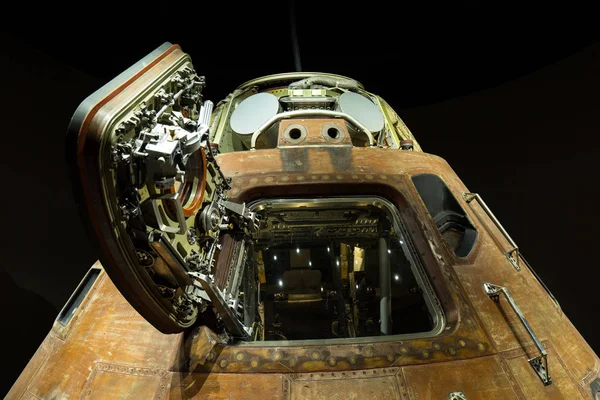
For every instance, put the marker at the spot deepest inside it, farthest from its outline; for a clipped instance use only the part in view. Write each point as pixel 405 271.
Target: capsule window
pixel 449 217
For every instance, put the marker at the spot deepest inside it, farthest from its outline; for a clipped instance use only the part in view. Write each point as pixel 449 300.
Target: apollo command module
pixel 291 241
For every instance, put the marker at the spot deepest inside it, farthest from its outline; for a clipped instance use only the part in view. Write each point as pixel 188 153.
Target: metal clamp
pixel 539 363
pixel 309 113
pixel 512 254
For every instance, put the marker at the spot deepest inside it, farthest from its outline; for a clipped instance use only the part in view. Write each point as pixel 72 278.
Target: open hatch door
pixel 148 184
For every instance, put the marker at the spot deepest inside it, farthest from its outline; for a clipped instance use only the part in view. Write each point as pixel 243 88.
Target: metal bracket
pixel 161 224
pixel 540 366
pixel 232 322
pixel 539 363
pixel 458 395
pixel 513 254
pixel 241 212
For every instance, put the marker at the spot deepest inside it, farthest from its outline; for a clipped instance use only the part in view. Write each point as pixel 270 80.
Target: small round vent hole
pixel 295 133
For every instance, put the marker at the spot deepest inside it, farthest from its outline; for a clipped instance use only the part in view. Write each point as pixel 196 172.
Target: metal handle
pixel 539 363
pixel 308 113
pixel 513 253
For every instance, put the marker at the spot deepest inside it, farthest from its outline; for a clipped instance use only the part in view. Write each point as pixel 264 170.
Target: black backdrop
pixel 510 102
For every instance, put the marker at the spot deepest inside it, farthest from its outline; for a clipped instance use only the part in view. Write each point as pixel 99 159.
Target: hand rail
pixel 513 260
pixel 512 257
pixel 539 363
pixel 307 113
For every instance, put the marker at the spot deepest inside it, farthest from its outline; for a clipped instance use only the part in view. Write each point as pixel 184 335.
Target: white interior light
pixel 401 242
pixel 297 250
pixel 328 249
pixel 396 277
pixel 280 283
pixel 275 258
pixel 310 263
pixel 337 263
pixel 389 251
pixel 357 285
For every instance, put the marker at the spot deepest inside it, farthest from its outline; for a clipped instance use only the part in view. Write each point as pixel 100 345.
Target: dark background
pixel 510 98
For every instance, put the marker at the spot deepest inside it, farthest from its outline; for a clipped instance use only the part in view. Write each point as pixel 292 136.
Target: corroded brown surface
pixel 479 379
pixel 108 349
pixel 229 386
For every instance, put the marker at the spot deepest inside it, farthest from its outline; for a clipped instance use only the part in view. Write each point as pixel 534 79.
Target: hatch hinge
pixel 230 319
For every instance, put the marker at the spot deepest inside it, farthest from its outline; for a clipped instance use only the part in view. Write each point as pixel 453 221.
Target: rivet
pixel 452 350
pixel 325 177
pixel 254 363
pixel 285 179
pixel 315 355
pixel 223 363
pixel 254 181
pixel 269 179
pixel 240 356
pixel 340 177
pixel 369 176
pixel 403 349
pixel 210 356
pixel 390 357
pixel 293 362
pixel 383 177
pixel 300 178
pixel 436 346
pixel 354 176
pixel 352 360
pixel 277 356
pixel 462 343
pixel 314 177
pixel 367 351
pixel 481 346
pixel 331 361
pixel 425 353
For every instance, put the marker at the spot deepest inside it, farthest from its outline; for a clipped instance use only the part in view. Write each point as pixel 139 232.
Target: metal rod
pixel 172 102
pixel 171 258
pixel 309 113
pixel 514 259
pixel 540 363
pixel 385 289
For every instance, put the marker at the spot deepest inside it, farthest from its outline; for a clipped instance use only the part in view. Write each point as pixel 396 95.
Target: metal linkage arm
pixel 539 363
pixel 232 323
